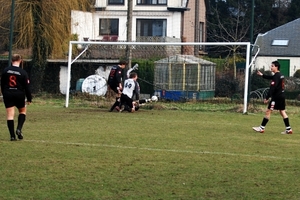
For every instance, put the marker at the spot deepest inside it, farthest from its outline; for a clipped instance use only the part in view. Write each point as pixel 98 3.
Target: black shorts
pixel 126 100
pixel 279 104
pixel 17 100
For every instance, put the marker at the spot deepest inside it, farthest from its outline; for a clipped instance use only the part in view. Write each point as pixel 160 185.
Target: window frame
pixel 101 31
pixel 148 2
pixel 280 42
pixel 116 3
pixel 139 22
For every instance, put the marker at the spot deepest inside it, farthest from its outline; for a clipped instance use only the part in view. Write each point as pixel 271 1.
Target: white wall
pixel 86 24
pixel 173 22
pixel 176 3
pixel 63 77
pixel 171 3
pixel 265 63
pixel 100 3
pixel 82 24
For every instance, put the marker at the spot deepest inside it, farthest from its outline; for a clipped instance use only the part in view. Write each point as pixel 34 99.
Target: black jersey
pixel 276 87
pixel 115 76
pixel 15 81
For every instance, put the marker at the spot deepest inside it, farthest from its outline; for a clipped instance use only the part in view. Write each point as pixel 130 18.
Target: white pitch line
pixel 161 150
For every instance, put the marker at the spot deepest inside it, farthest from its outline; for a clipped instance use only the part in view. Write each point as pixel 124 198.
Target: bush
pixel 226 85
pixel 146 75
pixel 258 82
pixel 297 74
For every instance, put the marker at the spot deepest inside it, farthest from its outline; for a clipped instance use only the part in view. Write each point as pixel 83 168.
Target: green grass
pixel 168 151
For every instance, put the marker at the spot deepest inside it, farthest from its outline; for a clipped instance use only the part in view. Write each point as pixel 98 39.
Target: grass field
pixel 187 152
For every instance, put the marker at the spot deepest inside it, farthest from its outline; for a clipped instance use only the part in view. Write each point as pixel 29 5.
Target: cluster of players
pixel 125 93
pixel 15 87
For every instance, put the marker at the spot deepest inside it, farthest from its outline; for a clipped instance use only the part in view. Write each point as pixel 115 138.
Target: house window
pixel 152 2
pixel 109 27
pixel 151 27
pixel 115 2
pixel 280 42
pixel 201 34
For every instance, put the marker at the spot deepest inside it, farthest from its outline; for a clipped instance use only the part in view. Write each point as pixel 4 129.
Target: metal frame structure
pixel 86 45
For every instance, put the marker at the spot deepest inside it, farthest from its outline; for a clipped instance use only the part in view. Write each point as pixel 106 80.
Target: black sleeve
pixel 119 75
pixel 137 90
pixel 267 76
pixel 276 80
pixel 27 88
pixel 2 83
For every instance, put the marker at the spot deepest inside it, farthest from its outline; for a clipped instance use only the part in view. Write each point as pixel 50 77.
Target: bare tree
pixel 229 26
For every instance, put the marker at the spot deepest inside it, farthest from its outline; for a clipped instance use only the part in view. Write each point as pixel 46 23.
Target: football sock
pixel 142 101
pixel 11 128
pixel 21 120
pixel 287 123
pixel 264 122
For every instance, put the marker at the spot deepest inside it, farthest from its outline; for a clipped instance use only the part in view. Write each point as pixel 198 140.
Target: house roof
pixel 286 38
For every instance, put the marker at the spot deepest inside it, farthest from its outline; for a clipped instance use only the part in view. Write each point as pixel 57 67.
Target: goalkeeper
pixel 131 88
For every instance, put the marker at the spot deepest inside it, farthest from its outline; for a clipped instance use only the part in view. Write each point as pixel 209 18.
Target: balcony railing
pixel 138 51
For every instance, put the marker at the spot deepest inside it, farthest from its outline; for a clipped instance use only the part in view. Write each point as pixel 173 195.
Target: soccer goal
pixel 178 73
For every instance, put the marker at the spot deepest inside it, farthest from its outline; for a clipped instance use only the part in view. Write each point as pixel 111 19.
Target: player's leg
pixel 265 120
pixel 20 104
pixel 288 129
pixel 281 108
pixel 21 121
pixel 142 101
pixel 118 100
pixel 10 113
pixel 129 103
pixel 116 105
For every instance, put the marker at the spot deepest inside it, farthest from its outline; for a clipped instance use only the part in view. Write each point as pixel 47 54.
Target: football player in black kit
pixel 115 83
pixel 15 87
pixel 276 93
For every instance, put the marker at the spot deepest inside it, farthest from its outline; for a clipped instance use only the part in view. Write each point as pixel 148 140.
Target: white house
pixel 168 20
pixel 282 44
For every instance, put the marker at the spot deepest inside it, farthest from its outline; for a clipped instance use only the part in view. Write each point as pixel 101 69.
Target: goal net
pixel 174 71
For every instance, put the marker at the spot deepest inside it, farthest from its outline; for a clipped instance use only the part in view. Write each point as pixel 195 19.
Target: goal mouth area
pixel 132 46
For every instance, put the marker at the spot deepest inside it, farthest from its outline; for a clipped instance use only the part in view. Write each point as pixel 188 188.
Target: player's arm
pixel 128 72
pixel 274 84
pixel 137 90
pixel 267 77
pixel 119 78
pixel 135 67
pixel 27 88
pixel 2 83
pixel 259 73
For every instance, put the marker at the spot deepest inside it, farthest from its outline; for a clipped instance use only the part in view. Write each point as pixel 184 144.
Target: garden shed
pixel 182 77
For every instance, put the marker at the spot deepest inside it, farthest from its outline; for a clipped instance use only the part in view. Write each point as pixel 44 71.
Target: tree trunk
pixel 129 32
pixel 39 52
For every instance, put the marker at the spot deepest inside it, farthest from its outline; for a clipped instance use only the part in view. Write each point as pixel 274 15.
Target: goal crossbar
pixel 86 45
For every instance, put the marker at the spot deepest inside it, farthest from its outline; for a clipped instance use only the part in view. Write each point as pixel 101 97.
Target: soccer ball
pixel 154 98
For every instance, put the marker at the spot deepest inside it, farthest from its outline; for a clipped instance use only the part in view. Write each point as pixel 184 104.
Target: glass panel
pixel 115 1
pixel 280 42
pixel 162 1
pixel 151 27
pixel 109 27
pixel 104 27
pixel 152 2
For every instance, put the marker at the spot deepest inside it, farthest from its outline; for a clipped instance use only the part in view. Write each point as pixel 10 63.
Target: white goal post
pixel 86 44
